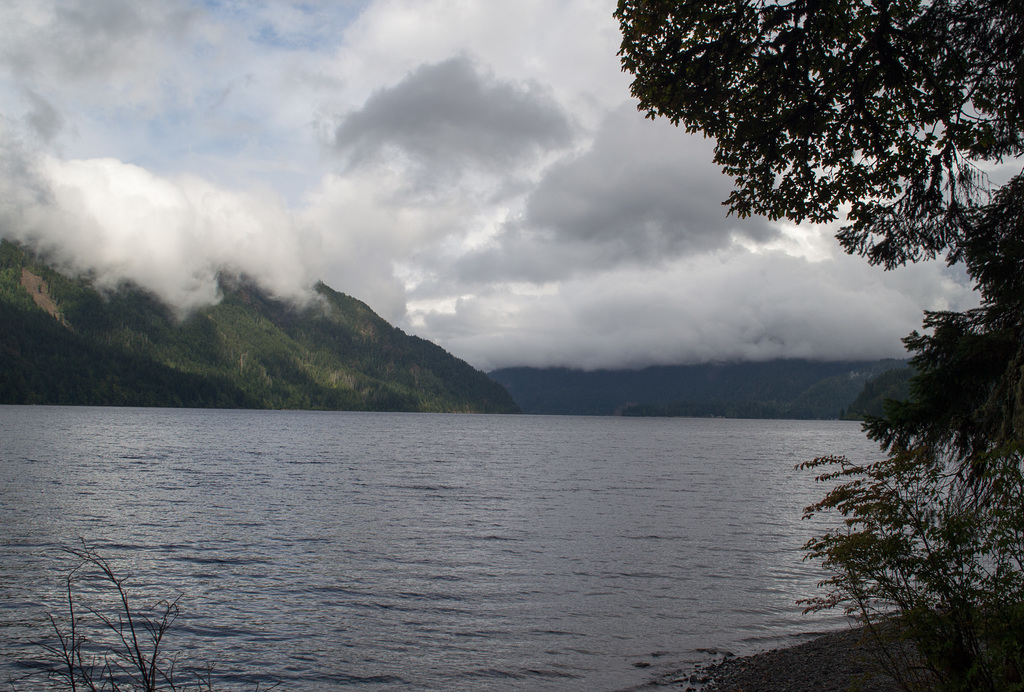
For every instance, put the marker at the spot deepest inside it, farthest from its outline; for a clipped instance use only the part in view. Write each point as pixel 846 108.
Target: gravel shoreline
pixel 834 662
pixel 831 663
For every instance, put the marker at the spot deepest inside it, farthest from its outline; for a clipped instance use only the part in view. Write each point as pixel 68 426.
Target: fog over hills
pixel 64 342
pixel 476 173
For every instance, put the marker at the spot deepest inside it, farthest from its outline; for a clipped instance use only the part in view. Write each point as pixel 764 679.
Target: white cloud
pixel 730 305
pixel 569 45
pixel 112 53
pixel 474 171
pixel 173 237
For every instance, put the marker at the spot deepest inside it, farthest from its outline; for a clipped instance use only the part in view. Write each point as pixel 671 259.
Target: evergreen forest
pixel 62 341
pixel 791 388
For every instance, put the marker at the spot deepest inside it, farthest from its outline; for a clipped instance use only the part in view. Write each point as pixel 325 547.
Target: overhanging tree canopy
pixel 815 104
pixel 885 110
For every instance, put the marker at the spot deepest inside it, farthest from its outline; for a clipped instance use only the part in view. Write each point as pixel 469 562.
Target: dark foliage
pixel 890 107
pixel 892 384
pixel 968 395
pixel 815 104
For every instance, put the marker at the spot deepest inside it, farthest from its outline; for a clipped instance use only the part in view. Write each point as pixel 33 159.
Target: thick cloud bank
pixel 119 222
pixel 727 306
pixel 448 117
pixel 473 171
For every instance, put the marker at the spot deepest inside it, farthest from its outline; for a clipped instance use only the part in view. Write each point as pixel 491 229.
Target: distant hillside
pixel 63 342
pixel 774 389
pixel 892 384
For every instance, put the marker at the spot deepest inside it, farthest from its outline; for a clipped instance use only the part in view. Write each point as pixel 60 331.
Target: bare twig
pixel 122 648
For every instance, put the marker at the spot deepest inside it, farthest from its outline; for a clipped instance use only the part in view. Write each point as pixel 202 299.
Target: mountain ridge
pixel 62 341
pixel 783 388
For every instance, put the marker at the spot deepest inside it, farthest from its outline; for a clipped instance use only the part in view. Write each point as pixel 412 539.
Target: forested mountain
pixel 63 342
pixel 891 384
pixel 774 389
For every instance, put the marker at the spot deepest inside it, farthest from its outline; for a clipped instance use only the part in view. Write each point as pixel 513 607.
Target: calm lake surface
pixel 420 551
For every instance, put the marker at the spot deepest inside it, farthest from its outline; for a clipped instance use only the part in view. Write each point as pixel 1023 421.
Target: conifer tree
pixel 890 112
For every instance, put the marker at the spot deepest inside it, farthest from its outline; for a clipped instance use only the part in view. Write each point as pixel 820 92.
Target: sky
pixel 474 170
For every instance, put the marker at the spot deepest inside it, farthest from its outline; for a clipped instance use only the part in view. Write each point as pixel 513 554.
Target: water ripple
pixel 427 552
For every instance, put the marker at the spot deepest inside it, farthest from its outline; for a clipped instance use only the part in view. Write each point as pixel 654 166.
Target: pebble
pixel 832 662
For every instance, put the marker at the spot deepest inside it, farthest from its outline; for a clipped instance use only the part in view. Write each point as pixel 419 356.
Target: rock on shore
pixel 834 662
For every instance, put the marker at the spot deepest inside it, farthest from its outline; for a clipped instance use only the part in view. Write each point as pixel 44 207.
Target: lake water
pixel 421 551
